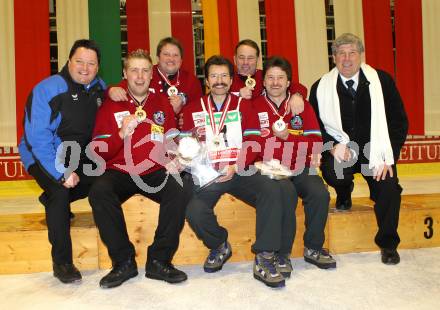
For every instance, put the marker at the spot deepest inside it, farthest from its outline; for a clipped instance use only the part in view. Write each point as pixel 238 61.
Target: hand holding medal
pixel 250 82
pixel 129 124
pixel 140 114
pixel 279 129
pixel 172 91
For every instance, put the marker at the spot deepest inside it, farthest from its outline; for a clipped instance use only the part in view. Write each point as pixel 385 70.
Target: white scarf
pixel 329 111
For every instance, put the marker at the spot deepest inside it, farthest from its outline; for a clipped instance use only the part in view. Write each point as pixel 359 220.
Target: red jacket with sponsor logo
pixel 249 125
pixel 303 130
pixel 143 152
pixel 238 83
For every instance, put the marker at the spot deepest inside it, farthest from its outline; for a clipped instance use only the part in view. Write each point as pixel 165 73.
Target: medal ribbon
pixel 165 78
pixel 271 105
pixel 216 130
pixel 137 103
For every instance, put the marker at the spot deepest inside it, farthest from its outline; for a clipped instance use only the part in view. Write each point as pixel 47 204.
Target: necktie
pixel 350 88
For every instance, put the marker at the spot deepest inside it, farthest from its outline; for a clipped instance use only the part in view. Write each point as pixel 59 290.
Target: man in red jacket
pixel 169 80
pixel 227 123
pixel 129 136
pixel 248 80
pixel 295 140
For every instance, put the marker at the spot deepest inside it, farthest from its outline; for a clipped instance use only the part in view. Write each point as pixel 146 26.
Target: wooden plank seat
pixel 24 246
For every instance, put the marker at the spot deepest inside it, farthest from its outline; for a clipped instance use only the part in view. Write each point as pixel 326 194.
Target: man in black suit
pixel 364 126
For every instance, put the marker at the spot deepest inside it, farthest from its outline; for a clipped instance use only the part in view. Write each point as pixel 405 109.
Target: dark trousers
pixel 270 200
pixel 315 198
pixel 56 199
pixel 386 195
pixel 112 188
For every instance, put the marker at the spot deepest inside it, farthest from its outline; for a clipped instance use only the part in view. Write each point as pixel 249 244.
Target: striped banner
pixel 148 22
pixel 431 66
pixel 295 28
pixel 137 25
pixel 311 32
pixel 72 24
pixel 378 34
pixel 348 17
pixel 211 28
pixel 32 53
pixel 228 21
pixel 159 19
pixel 409 61
pixel 105 29
pixel 281 31
pixel 182 29
pixel 228 27
pixel 8 133
pixel 248 15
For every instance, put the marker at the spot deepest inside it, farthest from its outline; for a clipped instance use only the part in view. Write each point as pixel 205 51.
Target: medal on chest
pixel 217 140
pixel 279 125
pixel 140 113
pixel 172 89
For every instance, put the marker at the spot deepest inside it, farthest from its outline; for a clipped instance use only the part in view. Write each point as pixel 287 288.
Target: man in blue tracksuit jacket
pixel 59 119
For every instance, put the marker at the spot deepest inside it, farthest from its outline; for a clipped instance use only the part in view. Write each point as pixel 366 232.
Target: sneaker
pixel 283 264
pixel 66 273
pixel 165 271
pixel 320 258
pixel 265 270
pixel 217 258
pixel 120 273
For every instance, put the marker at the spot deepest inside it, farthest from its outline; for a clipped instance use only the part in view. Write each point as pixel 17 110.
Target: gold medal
pixel 172 91
pixel 140 114
pixel 250 82
pixel 279 125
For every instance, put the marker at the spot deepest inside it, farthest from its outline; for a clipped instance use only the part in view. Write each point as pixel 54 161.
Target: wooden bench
pixel 24 246
pixel 354 231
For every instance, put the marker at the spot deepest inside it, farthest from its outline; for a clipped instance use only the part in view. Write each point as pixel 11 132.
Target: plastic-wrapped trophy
pixel 193 155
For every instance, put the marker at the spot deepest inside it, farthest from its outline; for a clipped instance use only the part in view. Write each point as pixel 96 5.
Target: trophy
pixel 193 155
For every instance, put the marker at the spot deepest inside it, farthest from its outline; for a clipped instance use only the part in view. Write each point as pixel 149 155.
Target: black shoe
pixel 43 200
pixel 66 273
pixel 390 256
pixel 120 273
pixel 165 271
pixel 343 205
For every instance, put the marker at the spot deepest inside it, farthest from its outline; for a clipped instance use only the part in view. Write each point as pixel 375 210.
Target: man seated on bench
pixel 295 141
pixel 129 136
pixel 59 114
pixel 226 121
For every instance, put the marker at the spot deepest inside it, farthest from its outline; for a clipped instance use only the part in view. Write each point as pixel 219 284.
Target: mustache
pixel 219 84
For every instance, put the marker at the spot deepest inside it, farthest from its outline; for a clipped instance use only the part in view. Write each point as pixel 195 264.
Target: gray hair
pixel 347 38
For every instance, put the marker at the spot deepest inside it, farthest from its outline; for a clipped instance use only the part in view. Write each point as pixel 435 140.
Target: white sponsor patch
pixel 119 116
pixel 264 119
pixel 199 119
